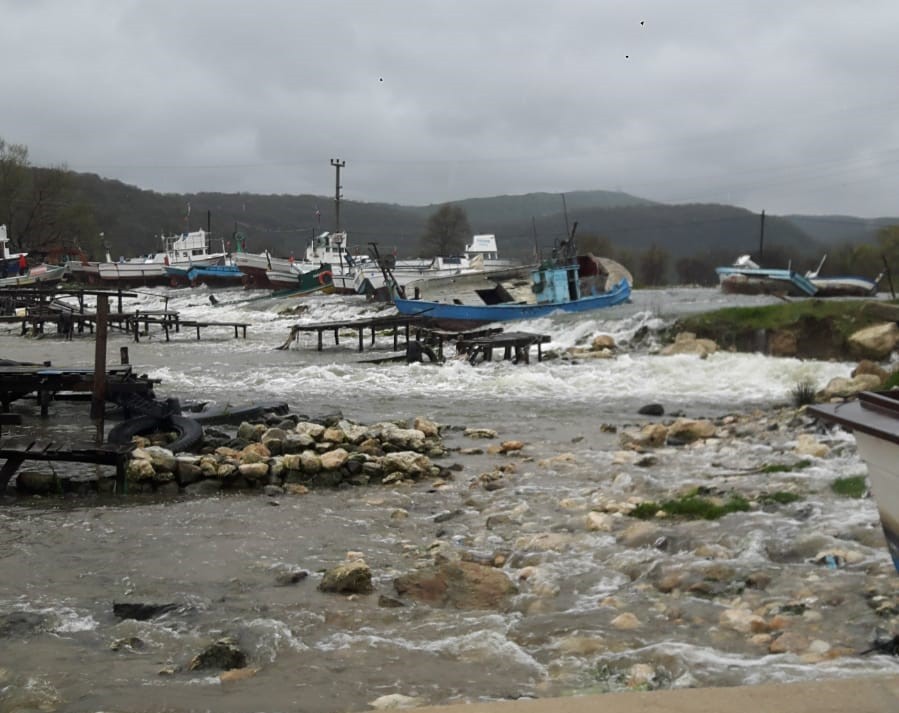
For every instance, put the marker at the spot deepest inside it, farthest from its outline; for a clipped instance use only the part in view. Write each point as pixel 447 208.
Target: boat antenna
pixel 565 213
pixel 534 230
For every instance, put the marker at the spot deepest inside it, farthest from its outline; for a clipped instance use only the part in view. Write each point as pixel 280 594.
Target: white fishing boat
pixel 36 275
pixel 10 262
pixel 332 249
pixel 183 250
pixel 480 256
pixel 874 420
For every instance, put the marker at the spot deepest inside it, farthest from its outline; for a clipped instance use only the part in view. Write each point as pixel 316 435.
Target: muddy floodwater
pixel 788 589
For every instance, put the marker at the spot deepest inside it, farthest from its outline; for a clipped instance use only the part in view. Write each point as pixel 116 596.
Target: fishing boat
pixel 296 283
pixel 9 261
pixel 480 255
pixel 842 285
pixel 566 283
pixel 185 250
pixel 227 275
pixel 254 266
pixel 42 275
pixel 746 277
pixel 331 248
pixel 874 420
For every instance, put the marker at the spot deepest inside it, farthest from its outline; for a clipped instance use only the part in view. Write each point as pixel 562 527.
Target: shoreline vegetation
pixel 807 329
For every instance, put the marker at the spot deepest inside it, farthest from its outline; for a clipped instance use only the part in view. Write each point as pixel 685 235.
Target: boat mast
pixel 337 164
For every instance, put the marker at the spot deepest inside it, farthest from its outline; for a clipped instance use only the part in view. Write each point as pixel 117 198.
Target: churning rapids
pixel 596 609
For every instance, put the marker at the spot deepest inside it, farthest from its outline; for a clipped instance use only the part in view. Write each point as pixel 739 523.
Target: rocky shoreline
pixel 816 595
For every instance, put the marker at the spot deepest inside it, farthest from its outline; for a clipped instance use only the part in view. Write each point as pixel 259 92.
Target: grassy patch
pixel 853 486
pixel 892 382
pixel 848 316
pixel 780 497
pixel 692 507
pixel 803 394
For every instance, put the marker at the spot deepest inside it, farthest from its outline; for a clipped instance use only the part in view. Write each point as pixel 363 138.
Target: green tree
pixel 653 266
pixel 696 271
pixel 599 245
pixel 446 232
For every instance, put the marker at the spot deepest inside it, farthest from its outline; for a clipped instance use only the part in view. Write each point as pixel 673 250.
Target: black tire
pixel 190 432
pixel 213 414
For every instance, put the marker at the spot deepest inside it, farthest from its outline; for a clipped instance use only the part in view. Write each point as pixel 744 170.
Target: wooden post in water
pixel 98 403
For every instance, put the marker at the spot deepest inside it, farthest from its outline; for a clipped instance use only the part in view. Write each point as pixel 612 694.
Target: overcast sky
pixel 790 107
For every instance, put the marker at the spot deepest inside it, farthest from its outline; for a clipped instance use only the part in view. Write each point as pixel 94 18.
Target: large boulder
pixel 689 429
pixel 458 584
pixel 687 343
pixel 876 342
pixel 352 577
pixel 221 655
pixel 842 387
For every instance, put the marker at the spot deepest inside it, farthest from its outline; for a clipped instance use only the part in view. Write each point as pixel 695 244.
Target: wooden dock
pixel 46 381
pixel 396 323
pixel 110 455
pixel 516 346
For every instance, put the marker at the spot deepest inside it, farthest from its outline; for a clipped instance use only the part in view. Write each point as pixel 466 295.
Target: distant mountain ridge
pixel 132 220
pixel 836 229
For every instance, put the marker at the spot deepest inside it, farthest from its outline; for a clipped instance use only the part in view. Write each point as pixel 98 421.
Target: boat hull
pixel 844 287
pixel 759 281
pixel 874 420
pixel 881 457
pixel 462 315
pixel 296 284
pixel 37 275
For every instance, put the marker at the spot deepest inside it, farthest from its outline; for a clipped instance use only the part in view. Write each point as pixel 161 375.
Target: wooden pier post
pixel 98 402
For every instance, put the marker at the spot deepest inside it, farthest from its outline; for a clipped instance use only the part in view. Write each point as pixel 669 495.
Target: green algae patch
pixel 853 486
pixel 692 507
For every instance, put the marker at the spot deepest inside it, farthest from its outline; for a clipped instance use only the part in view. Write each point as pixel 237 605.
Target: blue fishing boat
pixel 567 283
pixel 210 275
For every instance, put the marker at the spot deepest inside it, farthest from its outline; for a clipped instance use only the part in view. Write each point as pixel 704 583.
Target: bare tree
pixel 446 232
pixel 37 207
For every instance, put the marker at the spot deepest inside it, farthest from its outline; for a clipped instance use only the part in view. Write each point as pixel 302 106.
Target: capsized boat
pixel 746 277
pixel 842 285
pixel 567 283
pixel 874 420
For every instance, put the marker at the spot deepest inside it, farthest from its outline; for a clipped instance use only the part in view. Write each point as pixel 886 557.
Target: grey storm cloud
pixel 788 107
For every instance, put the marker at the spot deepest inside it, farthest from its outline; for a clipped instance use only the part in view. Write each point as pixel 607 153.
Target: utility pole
pixel 762 237
pixel 338 164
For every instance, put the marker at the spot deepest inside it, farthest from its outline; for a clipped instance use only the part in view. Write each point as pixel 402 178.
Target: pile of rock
pixel 292 456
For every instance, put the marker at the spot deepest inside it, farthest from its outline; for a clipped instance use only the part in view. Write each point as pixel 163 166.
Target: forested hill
pixel 840 229
pixel 132 218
